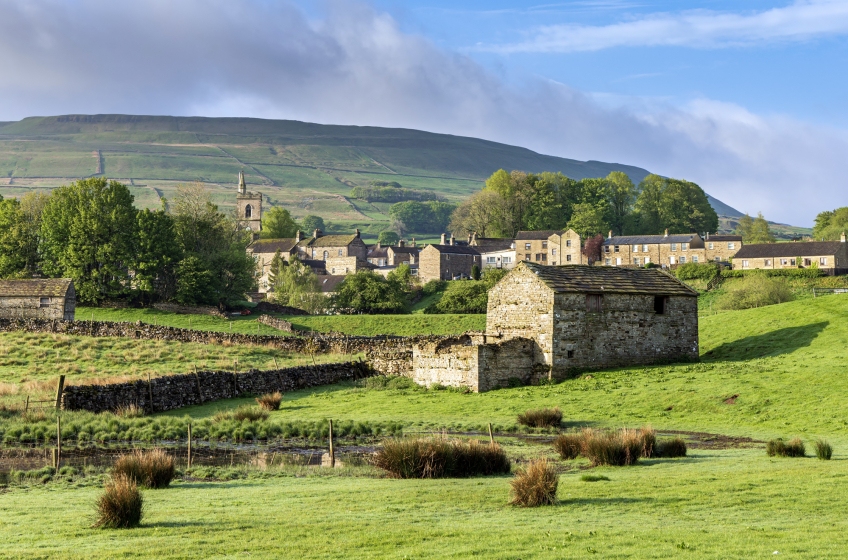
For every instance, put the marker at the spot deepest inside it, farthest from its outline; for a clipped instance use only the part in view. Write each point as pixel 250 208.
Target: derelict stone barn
pixel 549 321
pixel 52 298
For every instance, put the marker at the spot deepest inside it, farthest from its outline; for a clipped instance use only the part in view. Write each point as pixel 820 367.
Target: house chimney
pixel 610 234
pixel 469 239
pixel 842 237
pixel 413 242
pixel 378 245
pixel 666 232
pixel 443 239
pixel 474 237
pixel 317 233
pixel 357 232
pixel 707 237
pixel 401 243
pixel 298 236
pixel 452 240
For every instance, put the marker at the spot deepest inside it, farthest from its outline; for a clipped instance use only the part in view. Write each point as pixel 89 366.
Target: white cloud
pixel 354 66
pixel 800 21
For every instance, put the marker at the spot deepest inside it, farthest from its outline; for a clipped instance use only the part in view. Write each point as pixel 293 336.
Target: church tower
pixel 248 206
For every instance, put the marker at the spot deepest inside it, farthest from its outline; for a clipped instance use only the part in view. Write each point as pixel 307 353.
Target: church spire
pixel 242 188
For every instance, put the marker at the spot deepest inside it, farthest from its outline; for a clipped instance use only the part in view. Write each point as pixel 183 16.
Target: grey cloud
pixel 354 66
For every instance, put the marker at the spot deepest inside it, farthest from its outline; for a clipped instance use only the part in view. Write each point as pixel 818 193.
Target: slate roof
pixel 609 279
pixel 329 241
pixel 456 249
pixel 790 250
pixel 47 287
pixel 650 239
pixel 283 245
pixel 724 238
pixel 409 250
pixel 542 234
pixel 375 253
pixel 491 244
pixel 330 282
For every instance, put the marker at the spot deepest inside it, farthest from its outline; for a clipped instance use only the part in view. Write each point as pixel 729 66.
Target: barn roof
pixel 802 249
pixel 609 279
pixel 46 287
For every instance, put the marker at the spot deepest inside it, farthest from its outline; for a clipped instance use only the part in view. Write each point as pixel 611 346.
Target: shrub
pixel 779 272
pixel 614 448
pixel 568 445
pixel 440 458
pixel 121 504
pixel 387 382
pixel 697 271
pixel 649 441
pixel 792 448
pixel 536 485
pixel 756 291
pixel 542 418
pixel 674 447
pixel 593 477
pixel 244 412
pixel 153 469
pixel 824 450
pixel 462 296
pixel 129 411
pixel 434 287
pixel 270 401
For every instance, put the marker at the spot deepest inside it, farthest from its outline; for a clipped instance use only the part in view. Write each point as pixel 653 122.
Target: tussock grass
pixel 441 458
pixel 541 418
pixel 568 445
pixel 649 441
pixel 153 468
pixel 792 448
pixel 121 505
pixel 129 411
pixel 242 413
pixel 270 401
pixel 824 450
pixel 593 477
pixel 613 448
pixel 535 485
pixel 674 447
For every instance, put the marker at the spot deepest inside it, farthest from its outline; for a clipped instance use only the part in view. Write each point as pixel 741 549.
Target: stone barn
pixel 547 322
pixel 52 298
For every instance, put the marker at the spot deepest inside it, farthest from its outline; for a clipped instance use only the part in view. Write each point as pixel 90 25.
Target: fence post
pixel 60 386
pixel 26 406
pixel 189 445
pixel 332 451
pixel 150 391
pixel 58 441
pixel 491 437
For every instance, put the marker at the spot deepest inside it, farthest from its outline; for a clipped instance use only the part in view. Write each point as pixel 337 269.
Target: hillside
pixel 308 168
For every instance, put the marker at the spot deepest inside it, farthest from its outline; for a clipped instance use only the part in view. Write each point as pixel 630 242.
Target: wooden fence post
pixel 60 386
pixel 150 391
pixel 189 445
pixel 26 406
pixel 332 451
pixel 491 437
pixel 58 441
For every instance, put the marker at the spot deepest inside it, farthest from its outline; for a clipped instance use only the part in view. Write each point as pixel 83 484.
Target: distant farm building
pixel 52 298
pixel 549 321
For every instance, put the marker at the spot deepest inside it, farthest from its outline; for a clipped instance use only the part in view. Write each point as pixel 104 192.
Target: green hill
pixel 308 168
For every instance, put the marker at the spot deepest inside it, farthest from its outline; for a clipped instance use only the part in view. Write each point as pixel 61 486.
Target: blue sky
pixel 745 98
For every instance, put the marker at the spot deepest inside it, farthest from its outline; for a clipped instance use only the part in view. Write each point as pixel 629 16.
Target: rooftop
pixel 650 239
pixel 47 287
pixel 456 249
pixel 329 241
pixel 608 279
pixel 490 244
pixel 790 250
pixel 542 234
pixel 284 245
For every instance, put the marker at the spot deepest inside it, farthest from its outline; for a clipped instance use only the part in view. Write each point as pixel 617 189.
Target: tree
pixel 422 217
pixel 366 292
pixel 88 234
pixel 277 224
pixel 744 227
pixel 276 268
pixel 760 232
pixel 477 214
pixel 673 204
pixel 593 247
pixel 312 222
pixel 622 195
pixel 587 220
pixel 830 225
pixel 475 272
pixel 516 189
pixel 19 224
pixel 388 238
pixel 297 286
pixel 157 255
pixel 192 281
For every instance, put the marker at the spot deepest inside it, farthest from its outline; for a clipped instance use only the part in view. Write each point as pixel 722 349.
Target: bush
pixel 775 273
pixel 270 401
pixel 756 291
pixel 153 469
pixel 440 458
pixel 388 382
pixel 462 296
pixel 568 445
pixel 129 411
pixel 542 418
pixel 824 450
pixel 617 449
pixel 674 447
pixel 649 441
pixel 535 485
pixel 792 448
pixel 244 412
pixel 121 504
pixel 434 287
pixel 696 271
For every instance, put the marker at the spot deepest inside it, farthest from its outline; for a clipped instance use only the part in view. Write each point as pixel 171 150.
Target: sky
pixel 747 99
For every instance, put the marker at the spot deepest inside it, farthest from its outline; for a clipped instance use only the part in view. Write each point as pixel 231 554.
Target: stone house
pixel 564 247
pixel 831 256
pixel 400 254
pixel 665 250
pixel 546 322
pixel 378 255
pixel 446 262
pixel 721 248
pixel 263 251
pixel 50 298
pixel 495 252
pixel 533 246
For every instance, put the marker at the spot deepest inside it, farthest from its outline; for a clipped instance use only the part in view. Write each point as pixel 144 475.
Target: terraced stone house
pixel 830 256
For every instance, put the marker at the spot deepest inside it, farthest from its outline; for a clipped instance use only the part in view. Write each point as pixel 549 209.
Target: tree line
pixel 90 231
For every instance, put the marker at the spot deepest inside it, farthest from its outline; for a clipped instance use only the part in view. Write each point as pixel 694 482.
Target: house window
pixel 341 252
pixel 593 303
pixel 636 261
pixel 553 252
pixel 527 256
pixel 660 304
pixel 710 245
pixel 248 211
pixel 717 259
pixel 766 262
pixel 823 261
pixel 674 246
pixel 526 246
pixel 544 244
pixel 671 259
pixel 44 302
pixel 808 262
pixel 682 260
pixel 326 255
pixel 783 262
pixel 606 248
pixel 694 258
pixel 744 264
pixel 507 260
pixel 568 258
pixel 538 257
pixel 568 242
pixel 684 246
pixel 491 260
pixel 731 245
pixel 644 248
pixel 635 248
pixel 792 262
pixel 447 257
pixel 607 261
pixel 647 260
pixel 544 257
pixel 616 248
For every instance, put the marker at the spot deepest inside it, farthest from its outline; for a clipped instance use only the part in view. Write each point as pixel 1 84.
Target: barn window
pixel 660 303
pixel 570 353
pixel 248 211
pixel 44 302
pixel 593 303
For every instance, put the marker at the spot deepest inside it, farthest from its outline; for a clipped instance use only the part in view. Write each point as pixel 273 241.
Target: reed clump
pixel 541 418
pixel 129 411
pixel 824 450
pixel 270 401
pixel 535 485
pixel 441 458
pixel 617 447
pixel 121 505
pixel 792 448
pixel 242 413
pixel 153 468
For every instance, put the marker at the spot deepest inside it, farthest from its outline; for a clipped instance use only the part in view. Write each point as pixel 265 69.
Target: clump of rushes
pixel 792 448
pixel 542 418
pixel 129 411
pixel 615 448
pixel 568 445
pixel 121 504
pixel 649 441
pixel 153 469
pixel 270 401
pixel 244 412
pixel 824 450
pixel 536 485
pixel 440 458
pixel 674 447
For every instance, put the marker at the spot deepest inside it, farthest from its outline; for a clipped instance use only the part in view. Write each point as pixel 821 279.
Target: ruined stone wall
pixel 176 391
pixel 189 309
pixel 452 362
pixel 626 332
pixel 273 322
pixel 500 363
